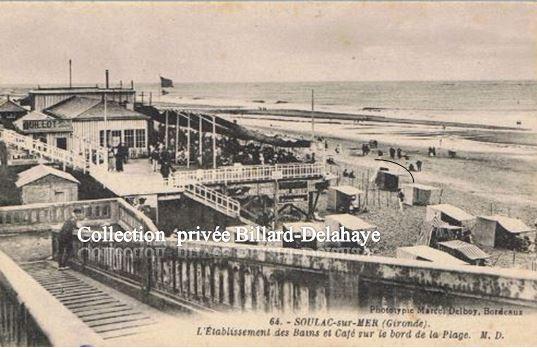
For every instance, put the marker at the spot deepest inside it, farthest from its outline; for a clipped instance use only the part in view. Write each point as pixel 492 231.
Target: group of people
pixel 117 156
pixel 229 150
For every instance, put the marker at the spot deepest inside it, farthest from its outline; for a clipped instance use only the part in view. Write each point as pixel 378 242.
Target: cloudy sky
pixel 257 41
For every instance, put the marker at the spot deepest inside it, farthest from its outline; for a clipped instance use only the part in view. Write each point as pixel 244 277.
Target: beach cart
pixel 419 194
pixel 465 251
pixel 502 231
pixel 343 199
pixel 450 214
pixel 426 253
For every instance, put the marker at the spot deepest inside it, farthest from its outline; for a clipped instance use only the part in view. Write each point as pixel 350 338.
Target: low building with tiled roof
pixel 10 111
pixel 44 184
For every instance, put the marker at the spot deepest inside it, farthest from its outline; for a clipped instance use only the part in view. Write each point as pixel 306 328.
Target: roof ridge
pixel 99 102
pixel 47 109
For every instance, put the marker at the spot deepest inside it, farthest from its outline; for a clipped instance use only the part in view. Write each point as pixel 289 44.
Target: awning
pixel 453 212
pixel 509 224
pixel 348 190
pixel 223 126
pixel 472 252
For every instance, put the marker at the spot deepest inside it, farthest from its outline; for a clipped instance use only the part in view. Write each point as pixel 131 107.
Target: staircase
pixel 194 182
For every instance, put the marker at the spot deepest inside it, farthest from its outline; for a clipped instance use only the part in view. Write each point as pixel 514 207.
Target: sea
pixel 504 103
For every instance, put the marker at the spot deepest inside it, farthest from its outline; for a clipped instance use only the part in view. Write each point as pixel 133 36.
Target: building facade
pixel 66 118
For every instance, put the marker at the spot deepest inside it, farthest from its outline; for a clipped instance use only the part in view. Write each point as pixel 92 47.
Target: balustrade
pixel 246 277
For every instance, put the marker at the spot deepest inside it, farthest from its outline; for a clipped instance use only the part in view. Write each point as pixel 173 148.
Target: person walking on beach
pixel 399 153
pixel 392 153
pixel 400 199
pixel 418 165
pixel 65 239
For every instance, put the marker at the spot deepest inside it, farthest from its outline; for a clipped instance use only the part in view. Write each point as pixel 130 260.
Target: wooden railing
pixel 75 159
pixel 89 150
pixel 250 173
pixel 214 199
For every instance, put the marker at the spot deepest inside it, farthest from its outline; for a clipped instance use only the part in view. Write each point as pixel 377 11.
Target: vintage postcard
pixel 268 173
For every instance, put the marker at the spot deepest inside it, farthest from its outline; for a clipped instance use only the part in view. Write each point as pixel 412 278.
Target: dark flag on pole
pixel 164 82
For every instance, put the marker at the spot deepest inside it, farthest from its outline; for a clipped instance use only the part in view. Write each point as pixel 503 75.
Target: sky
pixel 259 41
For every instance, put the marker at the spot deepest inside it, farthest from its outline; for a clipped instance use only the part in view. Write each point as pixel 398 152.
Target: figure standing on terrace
pixel 66 237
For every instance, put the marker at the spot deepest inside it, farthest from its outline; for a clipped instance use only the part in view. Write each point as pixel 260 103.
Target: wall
pixel 44 190
pixel 43 101
pixel 90 129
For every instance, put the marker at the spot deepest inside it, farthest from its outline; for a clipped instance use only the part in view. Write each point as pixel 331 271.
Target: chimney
pixel 106 78
pixel 132 84
pixel 70 75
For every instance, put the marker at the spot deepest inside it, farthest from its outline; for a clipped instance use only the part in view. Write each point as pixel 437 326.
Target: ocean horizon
pixel 501 102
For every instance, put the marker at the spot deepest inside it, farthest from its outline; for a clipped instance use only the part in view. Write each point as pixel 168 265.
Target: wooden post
pixel 166 136
pixel 214 142
pixel 188 144
pixel 177 127
pixel 276 199
pixel 200 146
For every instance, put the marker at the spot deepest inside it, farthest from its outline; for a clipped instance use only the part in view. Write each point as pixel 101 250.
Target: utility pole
pixel 312 115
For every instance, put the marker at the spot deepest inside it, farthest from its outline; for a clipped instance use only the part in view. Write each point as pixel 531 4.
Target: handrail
pixel 67 158
pixel 215 199
pixel 83 145
pixel 64 329
pixel 249 173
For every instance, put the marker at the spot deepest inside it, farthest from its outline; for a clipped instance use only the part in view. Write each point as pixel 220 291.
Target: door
pixel 61 143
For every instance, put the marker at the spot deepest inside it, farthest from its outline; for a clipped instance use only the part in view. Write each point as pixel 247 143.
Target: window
pixel 101 138
pixel 129 138
pixel 140 138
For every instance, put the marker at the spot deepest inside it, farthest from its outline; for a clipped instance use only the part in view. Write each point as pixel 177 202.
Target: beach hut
pixel 301 229
pixel 386 180
pixel 503 231
pixel 419 194
pixel 426 253
pixel 464 251
pixel 442 232
pixel 343 198
pixel 43 184
pixel 450 214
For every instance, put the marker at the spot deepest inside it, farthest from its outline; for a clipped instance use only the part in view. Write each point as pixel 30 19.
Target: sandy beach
pixel 493 173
